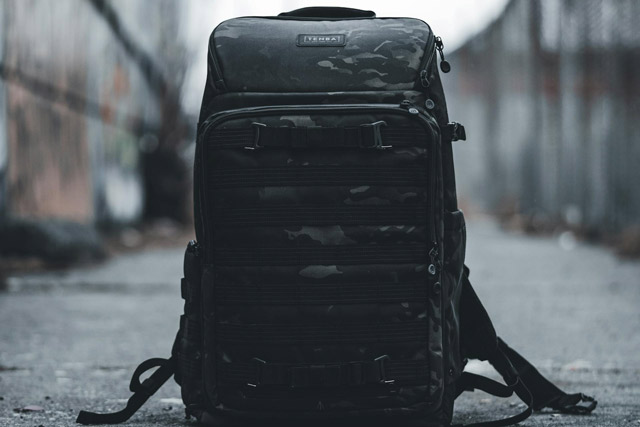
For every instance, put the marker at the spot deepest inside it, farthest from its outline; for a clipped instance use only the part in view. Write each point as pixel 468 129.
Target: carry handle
pixel 329 12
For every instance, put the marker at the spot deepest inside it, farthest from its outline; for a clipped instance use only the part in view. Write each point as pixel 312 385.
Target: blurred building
pixel 550 96
pixel 80 104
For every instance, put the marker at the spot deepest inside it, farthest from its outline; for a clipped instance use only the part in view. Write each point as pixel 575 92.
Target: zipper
pixel 404 107
pixel 428 59
pixel 218 78
pixel 445 66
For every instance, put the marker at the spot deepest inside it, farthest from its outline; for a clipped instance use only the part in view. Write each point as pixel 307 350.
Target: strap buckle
pixel 259 363
pixel 383 375
pixel 377 135
pixel 454 131
pixel 256 136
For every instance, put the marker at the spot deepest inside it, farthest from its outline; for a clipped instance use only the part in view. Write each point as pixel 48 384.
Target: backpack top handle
pixel 329 12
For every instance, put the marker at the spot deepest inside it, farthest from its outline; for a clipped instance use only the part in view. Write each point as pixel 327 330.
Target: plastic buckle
pixel 383 376
pixel 377 135
pixel 256 136
pixel 258 372
pixel 458 133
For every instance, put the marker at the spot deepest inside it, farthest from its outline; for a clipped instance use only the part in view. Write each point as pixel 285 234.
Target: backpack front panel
pixel 322 251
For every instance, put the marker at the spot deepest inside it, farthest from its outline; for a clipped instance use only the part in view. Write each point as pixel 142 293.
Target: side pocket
pixel 187 348
pixel 455 239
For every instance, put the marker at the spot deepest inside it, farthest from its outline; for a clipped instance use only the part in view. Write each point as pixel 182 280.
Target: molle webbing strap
pixel 396 214
pixel 318 175
pixel 374 135
pixel 379 371
pixel 407 331
pixel 307 294
pixel 410 253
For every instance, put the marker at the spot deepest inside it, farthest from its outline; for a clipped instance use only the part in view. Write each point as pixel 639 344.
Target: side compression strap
pixel 479 341
pixel 500 361
pixel 546 394
pixel 141 392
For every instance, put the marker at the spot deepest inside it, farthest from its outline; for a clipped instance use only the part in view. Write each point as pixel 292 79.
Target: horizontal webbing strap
pixel 413 330
pixel 382 370
pixel 396 214
pixel 370 135
pixel 342 293
pixel 319 175
pixel 321 255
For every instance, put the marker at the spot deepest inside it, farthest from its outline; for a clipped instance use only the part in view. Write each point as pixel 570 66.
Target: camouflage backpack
pixel 328 281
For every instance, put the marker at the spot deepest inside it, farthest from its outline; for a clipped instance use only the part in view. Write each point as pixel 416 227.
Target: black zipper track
pixel 218 77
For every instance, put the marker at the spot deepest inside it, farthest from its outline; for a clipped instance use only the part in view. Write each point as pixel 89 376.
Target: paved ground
pixel 70 340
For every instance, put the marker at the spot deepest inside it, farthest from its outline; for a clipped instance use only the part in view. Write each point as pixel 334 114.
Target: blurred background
pixel 99 102
pixel 98 107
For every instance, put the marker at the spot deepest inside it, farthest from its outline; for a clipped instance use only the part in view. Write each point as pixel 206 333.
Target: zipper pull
pixel 434 256
pixel 444 65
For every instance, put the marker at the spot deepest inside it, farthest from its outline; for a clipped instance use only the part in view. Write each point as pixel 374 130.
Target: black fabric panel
pixel 402 372
pixel 322 176
pixel 319 137
pixel 308 235
pixel 343 293
pixel 320 254
pixel 288 215
pixel 323 255
pixel 323 332
pixel 378 54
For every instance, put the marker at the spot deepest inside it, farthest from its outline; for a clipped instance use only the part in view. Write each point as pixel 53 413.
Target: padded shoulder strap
pixel 514 383
pixel 479 341
pixel 141 392
pixel 545 394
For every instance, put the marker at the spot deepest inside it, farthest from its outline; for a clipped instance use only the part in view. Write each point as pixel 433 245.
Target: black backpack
pixel 328 281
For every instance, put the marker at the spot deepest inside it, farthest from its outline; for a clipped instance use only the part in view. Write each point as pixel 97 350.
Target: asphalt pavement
pixel 70 340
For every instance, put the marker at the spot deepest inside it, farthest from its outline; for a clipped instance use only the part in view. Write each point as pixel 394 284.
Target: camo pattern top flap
pixel 283 55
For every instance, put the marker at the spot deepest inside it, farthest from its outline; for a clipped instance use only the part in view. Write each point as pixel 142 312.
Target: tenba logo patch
pixel 316 40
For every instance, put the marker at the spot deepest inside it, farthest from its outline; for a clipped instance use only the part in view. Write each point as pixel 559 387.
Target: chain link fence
pixel 550 96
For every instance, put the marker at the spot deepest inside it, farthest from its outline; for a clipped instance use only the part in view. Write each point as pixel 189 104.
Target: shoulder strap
pixel 545 394
pixel 141 392
pixel 479 340
pixel 514 384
